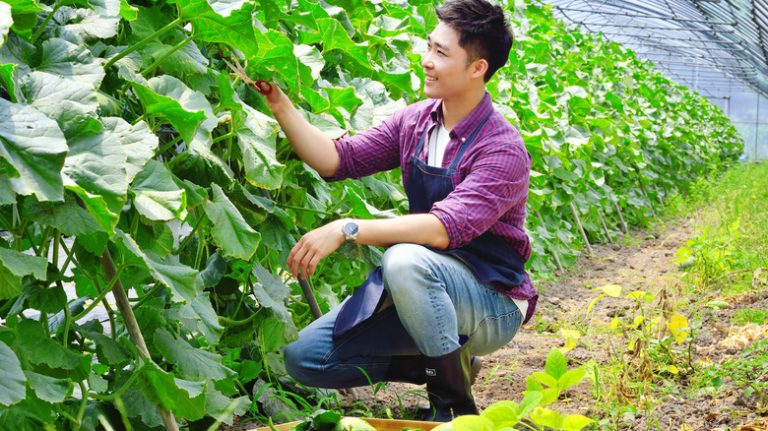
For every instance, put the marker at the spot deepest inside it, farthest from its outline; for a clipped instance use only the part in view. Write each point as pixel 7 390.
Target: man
pixel 453 277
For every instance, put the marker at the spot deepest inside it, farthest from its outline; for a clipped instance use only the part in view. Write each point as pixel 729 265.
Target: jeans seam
pixel 502 316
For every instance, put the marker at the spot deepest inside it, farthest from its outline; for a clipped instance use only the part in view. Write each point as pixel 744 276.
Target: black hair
pixel 483 30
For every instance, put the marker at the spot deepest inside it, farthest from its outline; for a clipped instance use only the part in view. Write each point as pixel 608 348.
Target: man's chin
pixel 431 93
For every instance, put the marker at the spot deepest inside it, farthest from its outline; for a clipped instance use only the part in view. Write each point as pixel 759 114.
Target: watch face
pixel 350 229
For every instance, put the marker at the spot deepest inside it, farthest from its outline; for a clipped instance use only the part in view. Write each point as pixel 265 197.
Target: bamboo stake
pixel 554 253
pixel 624 227
pixel 133 327
pixel 605 227
pixel 581 227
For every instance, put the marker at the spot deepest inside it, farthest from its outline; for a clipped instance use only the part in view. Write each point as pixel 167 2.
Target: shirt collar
pixel 468 124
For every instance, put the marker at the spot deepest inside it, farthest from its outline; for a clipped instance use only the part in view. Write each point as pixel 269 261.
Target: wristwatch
pixel 350 231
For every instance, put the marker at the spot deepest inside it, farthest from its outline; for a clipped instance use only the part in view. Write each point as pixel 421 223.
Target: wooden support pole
pixel 554 253
pixel 605 226
pixel 133 327
pixel 624 227
pixel 581 227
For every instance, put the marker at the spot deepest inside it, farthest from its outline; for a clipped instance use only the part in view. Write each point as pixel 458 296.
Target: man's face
pixel 445 64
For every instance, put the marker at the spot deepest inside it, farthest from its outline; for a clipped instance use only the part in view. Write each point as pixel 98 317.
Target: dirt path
pixel 645 262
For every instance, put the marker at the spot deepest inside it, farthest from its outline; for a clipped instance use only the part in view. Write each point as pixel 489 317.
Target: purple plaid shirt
pixel 490 182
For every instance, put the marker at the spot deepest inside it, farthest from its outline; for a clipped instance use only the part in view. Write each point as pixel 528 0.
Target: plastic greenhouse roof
pixel 714 45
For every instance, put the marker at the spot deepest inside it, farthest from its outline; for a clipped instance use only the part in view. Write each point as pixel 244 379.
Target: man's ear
pixel 479 67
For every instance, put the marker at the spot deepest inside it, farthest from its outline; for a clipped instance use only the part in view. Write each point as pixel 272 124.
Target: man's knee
pixel 300 366
pixel 402 264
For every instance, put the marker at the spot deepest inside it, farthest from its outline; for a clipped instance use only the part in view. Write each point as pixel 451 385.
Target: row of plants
pixel 141 178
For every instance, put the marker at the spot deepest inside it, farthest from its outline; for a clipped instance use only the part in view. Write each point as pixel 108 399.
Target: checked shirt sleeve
pixel 371 151
pixel 496 185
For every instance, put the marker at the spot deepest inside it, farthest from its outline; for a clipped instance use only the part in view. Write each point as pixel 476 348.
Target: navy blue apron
pixel 491 258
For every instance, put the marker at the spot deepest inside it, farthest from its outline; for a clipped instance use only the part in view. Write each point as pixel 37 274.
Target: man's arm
pixel 312 146
pixel 423 229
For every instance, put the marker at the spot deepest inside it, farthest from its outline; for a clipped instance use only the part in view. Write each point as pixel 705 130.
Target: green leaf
pixel 185 109
pixel 234 29
pixel 38 348
pixel 190 361
pixel 545 379
pixel 503 413
pixel 7 73
pixel 612 290
pixel 229 230
pixel 48 388
pixel 14 266
pixel 128 12
pixel 12 381
pixel 71 103
pixel 261 166
pixel 156 195
pixel 139 143
pixel 100 21
pixel 472 423
pixel 181 279
pixel 185 398
pixel 271 292
pixel 556 364
pixel 575 422
pixel 34 145
pixel 547 418
pixel 6 21
pixel 571 378
pixel 70 61
pixel 67 216
pixel 200 315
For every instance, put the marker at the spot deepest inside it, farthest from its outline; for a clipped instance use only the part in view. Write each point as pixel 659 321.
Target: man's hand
pixel 314 246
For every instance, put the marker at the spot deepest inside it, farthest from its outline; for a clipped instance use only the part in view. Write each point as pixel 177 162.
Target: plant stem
pixel 117 393
pixel 45 22
pixel 101 296
pixel 129 319
pixel 83 404
pixel 142 43
pixel 167 146
pixel 165 55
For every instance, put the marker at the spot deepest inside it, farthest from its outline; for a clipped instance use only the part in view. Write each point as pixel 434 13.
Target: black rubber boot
pixel 406 369
pixel 449 386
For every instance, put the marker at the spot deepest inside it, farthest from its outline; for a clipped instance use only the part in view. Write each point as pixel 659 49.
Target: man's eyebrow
pixel 437 44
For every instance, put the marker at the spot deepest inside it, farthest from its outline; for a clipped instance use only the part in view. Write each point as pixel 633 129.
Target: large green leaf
pixel 191 362
pixel 181 279
pixel 229 230
pixel 38 348
pixel 185 398
pixel 69 217
pixel 34 145
pixel 139 143
pixel 97 163
pixel 12 381
pixel 68 60
pixel 271 292
pixel 231 27
pixel 101 21
pixel 48 388
pixel 185 109
pixel 72 103
pixel 14 266
pixel 156 195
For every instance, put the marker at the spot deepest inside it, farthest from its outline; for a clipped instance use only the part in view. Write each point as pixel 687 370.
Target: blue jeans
pixel 436 299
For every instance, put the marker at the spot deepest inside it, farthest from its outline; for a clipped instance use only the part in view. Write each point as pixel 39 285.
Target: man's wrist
pixel 350 230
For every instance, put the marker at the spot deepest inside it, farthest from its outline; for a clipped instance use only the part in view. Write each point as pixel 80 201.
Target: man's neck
pixel 457 108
